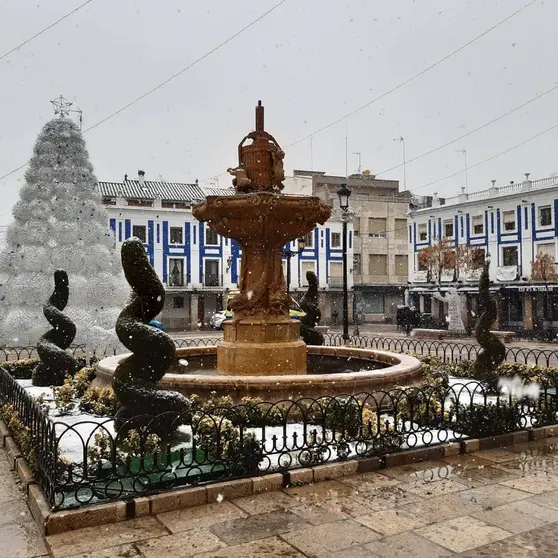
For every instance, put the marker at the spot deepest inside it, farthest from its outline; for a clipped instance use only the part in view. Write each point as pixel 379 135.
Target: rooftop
pixel 494 191
pixel 149 190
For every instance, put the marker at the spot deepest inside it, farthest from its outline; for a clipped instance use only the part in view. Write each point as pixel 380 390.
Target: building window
pixel 420 265
pixel 448 228
pixel 109 201
pixel 304 267
pixel 211 238
pixel 550 311
pixel 402 265
pixel 176 235
pixel 176 272
pixel 178 302
pixel 509 220
pixel 422 233
pixel 478 224
pixel 510 255
pixel 545 216
pixel 477 257
pixel 211 275
pixel 378 264
pixel 377 227
pixel 336 240
pixel 140 231
pixel 356 226
pixel 335 272
pixel 357 266
pixel 309 240
pixel 401 229
pixel 373 303
pixel 547 249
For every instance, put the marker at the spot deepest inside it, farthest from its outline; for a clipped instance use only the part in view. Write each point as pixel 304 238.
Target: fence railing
pixel 91 461
pixel 448 351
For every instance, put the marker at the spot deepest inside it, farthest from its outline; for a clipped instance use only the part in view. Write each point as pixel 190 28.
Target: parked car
pixel 216 321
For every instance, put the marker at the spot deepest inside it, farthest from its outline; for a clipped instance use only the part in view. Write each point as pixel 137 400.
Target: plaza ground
pixel 493 503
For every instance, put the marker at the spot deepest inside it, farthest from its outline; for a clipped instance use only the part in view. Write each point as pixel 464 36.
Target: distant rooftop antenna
pixel 358 154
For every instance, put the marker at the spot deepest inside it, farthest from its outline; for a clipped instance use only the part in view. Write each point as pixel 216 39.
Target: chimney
pixel 435 200
pixel 526 186
pixel 463 196
pixel 492 191
pixel 125 178
pixel 141 177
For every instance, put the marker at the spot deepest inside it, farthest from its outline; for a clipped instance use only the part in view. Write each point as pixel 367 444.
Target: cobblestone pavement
pixel 494 503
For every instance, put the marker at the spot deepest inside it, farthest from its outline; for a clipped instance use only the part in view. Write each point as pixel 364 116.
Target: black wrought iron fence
pixel 88 461
pixel 448 351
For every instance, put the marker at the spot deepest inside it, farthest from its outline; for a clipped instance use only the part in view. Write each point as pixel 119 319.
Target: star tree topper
pixel 61 106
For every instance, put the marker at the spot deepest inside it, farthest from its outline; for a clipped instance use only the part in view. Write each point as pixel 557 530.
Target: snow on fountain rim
pixel 399 365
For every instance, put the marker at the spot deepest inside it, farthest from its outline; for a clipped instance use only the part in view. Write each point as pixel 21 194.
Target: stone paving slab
pixel 494 503
pixel 19 535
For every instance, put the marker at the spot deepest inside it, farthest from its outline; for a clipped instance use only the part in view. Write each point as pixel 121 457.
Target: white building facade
pixel 197 266
pixel 511 224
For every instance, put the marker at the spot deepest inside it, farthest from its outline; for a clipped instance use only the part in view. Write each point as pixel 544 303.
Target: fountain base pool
pixel 332 371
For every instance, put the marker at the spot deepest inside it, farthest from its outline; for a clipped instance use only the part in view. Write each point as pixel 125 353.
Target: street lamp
pixel 288 253
pixel 344 193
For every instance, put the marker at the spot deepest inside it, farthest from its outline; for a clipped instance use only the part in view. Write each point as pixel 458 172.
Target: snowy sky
pixel 311 62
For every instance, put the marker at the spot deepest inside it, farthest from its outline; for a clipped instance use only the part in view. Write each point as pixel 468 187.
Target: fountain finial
pixel 260 164
pixel 259 117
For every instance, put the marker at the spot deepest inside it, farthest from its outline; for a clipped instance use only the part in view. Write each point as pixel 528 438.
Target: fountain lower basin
pixel 370 371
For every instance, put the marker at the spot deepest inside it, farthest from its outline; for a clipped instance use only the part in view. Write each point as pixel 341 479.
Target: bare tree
pixel 543 269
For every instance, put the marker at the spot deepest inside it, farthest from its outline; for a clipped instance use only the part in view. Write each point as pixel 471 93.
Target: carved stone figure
pixel 493 351
pixel 56 363
pixel 309 303
pixel 277 156
pixel 135 378
pixel 241 182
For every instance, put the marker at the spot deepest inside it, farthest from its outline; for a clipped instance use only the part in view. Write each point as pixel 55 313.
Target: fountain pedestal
pixel 263 345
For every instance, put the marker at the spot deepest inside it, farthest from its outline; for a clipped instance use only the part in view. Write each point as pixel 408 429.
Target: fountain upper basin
pixel 388 370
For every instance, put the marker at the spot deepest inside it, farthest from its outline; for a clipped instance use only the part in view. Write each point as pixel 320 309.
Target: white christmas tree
pixel 60 223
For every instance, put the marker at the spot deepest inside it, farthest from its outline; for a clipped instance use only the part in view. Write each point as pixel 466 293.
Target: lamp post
pixel 288 253
pixel 344 193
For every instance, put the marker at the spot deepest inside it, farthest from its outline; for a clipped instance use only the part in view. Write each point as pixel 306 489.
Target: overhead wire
pixel 485 125
pixel 174 76
pixel 415 76
pixel 422 72
pixel 474 166
pixel 44 30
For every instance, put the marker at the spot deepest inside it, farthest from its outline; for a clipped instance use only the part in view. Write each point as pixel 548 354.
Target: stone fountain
pixel 262 354
pixel 261 338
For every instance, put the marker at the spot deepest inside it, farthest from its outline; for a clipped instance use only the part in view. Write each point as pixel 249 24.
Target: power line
pixel 214 49
pixel 490 158
pixel 45 29
pixel 472 131
pixel 421 73
pixel 471 167
pixel 141 97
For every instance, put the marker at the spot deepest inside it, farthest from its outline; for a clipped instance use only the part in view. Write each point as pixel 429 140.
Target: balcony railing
pixel 212 281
